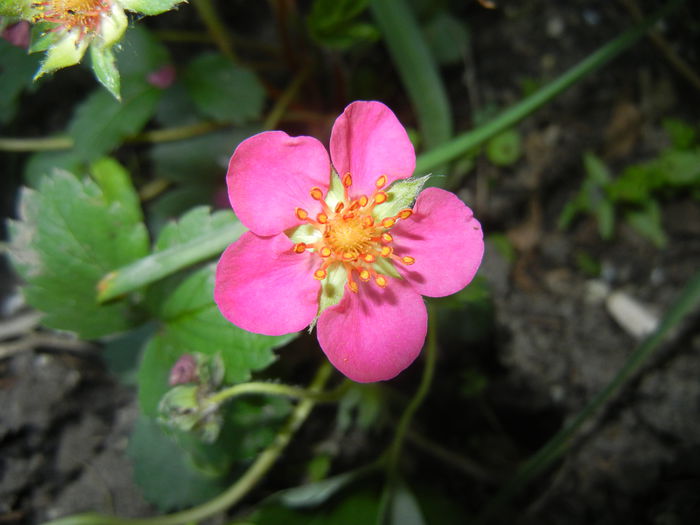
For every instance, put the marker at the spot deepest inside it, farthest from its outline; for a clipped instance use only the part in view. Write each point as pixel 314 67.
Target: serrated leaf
pixel 191 322
pixel 224 91
pixel 16 70
pixel 193 224
pixel 70 234
pixel 101 123
pixel 162 470
pixel 105 69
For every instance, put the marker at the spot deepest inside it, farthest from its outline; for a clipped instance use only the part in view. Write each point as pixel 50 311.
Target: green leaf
pixel 682 134
pixel 334 23
pixel 164 473
pixel 16 69
pixel 105 69
pixel 680 168
pixel 224 91
pixel 596 170
pixel 404 507
pixel 447 37
pixel 191 322
pixel 140 52
pixel 199 159
pixel 101 123
pixel 150 7
pixel 195 223
pixel 505 148
pixel 71 233
pixel 44 163
pixel 647 222
pixel 314 494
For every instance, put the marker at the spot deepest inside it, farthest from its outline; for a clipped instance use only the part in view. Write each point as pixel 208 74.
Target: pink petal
pixel 446 241
pixel 270 174
pixel 376 333
pixel 368 141
pixel 264 287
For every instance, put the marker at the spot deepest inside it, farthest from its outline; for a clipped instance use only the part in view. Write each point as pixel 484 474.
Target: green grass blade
pixel 419 72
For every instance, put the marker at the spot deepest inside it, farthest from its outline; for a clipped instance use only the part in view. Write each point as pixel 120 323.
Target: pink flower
pixel 333 250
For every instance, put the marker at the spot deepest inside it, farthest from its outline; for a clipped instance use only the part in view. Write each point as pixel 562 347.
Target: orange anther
pixel 363 200
pixel 353 286
pixel 380 197
pixel 300 247
pixel 339 207
pixel 388 222
pixel 381 182
pixel 386 251
pixel 354 206
pixel 302 214
pixel 320 274
pixel 316 193
pixel 407 260
pixel 325 251
pixel 386 237
pixel 347 180
pixel 405 214
pixel 369 258
pixel 368 221
pixel 365 275
pixel 322 218
pixel 381 280
pixel 349 256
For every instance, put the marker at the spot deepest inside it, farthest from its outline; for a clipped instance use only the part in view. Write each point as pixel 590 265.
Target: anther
pixel 386 251
pixel 347 180
pixel 325 252
pixel 368 221
pixel 320 274
pixel 363 200
pixel 339 207
pixel 300 247
pixel 316 194
pixel 381 182
pixel 388 222
pixel 302 214
pixel 380 197
pixel 407 260
pixel 349 256
pixel 381 281
pixel 386 237
pixel 322 218
pixel 405 214
pixel 365 275
pixel 369 258
pixel 353 286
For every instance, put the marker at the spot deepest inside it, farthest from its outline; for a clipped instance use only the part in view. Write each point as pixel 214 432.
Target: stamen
pixel 300 247
pixel 363 200
pixel 365 275
pixel 380 280
pixel 369 258
pixel 380 197
pixel 386 251
pixel 325 252
pixel 386 237
pixel 316 194
pixel 368 221
pixel 322 218
pixel 381 182
pixel 320 274
pixel 302 214
pixel 405 214
pixel 407 260
pixel 347 180
pixel 388 222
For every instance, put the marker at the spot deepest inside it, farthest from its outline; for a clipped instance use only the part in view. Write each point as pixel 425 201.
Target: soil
pixel 552 342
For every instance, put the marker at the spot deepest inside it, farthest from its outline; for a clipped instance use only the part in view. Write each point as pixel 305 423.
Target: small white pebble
pixel 634 317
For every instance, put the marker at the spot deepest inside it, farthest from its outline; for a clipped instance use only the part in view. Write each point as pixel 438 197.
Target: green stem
pixel 276 389
pixel 394 451
pixel 217 30
pixel 235 492
pixel 40 144
pixel 685 304
pixel 463 143
pixel 160 264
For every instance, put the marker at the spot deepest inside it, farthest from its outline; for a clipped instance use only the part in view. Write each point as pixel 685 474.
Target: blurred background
pixel 590 206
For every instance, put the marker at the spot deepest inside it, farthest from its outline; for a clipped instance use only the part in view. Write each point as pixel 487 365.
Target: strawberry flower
pixel 339 247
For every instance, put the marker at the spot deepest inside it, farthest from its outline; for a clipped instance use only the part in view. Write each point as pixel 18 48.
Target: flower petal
pixel 368 141
pixel 264 287
pixel 446 241
pixel 270 174
pixel 374 334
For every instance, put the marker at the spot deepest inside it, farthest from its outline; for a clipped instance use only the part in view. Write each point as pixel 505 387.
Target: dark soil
pixel 555 343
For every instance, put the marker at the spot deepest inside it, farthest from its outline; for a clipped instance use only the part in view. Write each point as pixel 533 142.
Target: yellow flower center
pixel 351 236
pixel 84 15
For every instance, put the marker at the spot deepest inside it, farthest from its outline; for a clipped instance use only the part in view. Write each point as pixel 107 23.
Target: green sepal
pixel 401 195
pixel 19 8
pixel 67 51
pixel 149 7
pixel 42 37
pixel 105 69
pixel 332 289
